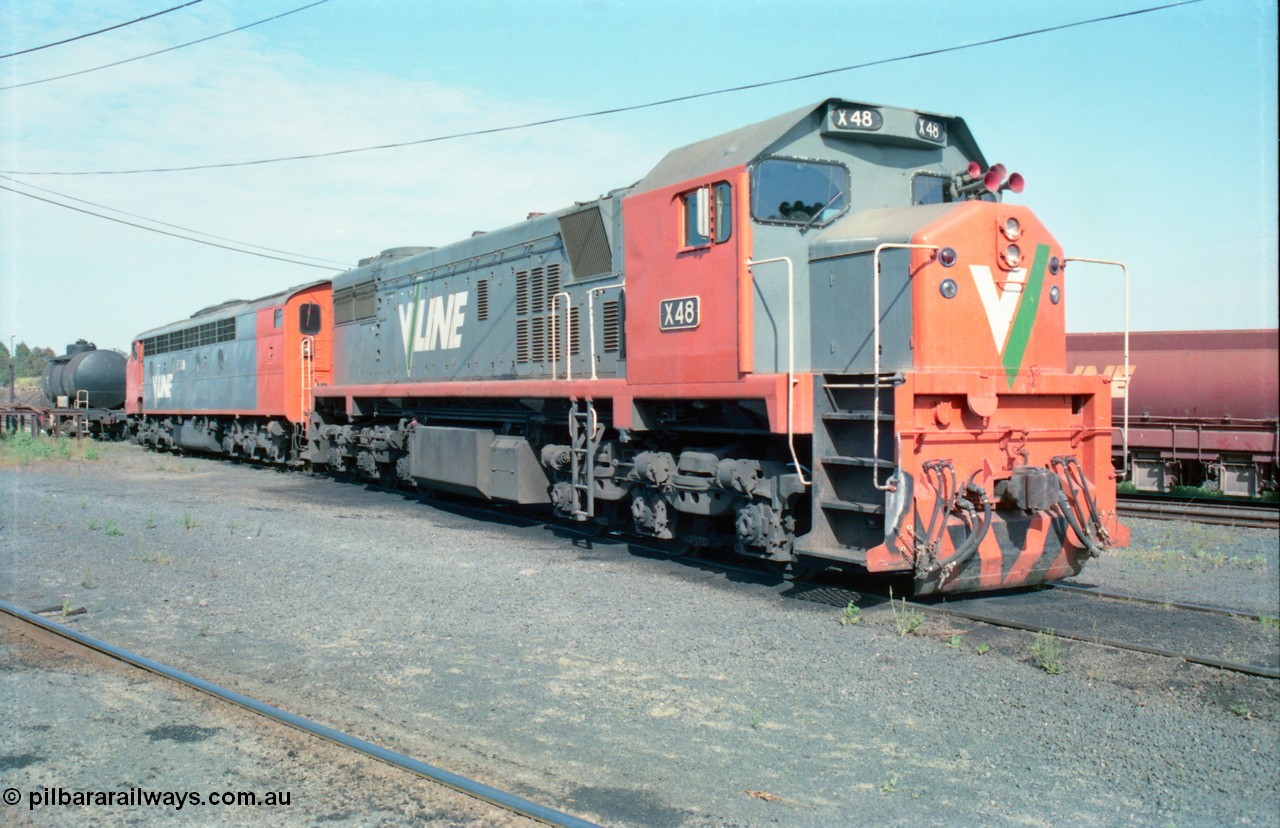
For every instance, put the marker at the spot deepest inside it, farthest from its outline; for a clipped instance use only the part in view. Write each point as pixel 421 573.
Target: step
pixel 847 506
pixel 856 416
pixel 865 462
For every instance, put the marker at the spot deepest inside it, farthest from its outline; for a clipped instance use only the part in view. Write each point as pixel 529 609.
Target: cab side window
pixel 309 318
pixel 706 216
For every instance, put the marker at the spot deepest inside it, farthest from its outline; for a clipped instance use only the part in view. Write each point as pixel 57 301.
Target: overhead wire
pixel 343 265
pixel 163 51
pixel 618 109
pixel 164 232
pixel 100 31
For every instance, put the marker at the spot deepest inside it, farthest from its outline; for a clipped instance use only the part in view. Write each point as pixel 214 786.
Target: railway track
pixel 1227 639
pixel 1232 640
pixel 1223 512
pixel 42 629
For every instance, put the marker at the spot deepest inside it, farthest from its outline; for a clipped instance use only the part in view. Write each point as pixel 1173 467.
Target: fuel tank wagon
pixel 822 339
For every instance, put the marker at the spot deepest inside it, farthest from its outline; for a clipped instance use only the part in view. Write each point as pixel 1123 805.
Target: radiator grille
pixel 482 300
pixel 355 302
pixel 612 327
pixel 586 243
pixel 536 289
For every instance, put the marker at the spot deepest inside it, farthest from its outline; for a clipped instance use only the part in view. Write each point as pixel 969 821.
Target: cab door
pixel 683 273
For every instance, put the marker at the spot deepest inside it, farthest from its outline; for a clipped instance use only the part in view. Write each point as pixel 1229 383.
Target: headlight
pixel 1012 255
pixel 1011 229
pixel 948 288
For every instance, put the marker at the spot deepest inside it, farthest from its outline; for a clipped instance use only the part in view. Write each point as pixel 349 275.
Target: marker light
pixel 1055 295
pixel 1054 265
pixel 947 256
pixel 1012 255
pixel 1011 229
pixel 948 288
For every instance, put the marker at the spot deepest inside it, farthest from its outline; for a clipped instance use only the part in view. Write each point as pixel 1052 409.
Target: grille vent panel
pixel 586 243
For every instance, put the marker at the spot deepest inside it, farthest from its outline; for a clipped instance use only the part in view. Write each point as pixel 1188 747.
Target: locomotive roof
pixel 745 144
pixel 233 307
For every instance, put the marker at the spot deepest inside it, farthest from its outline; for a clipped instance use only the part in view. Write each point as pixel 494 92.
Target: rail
pixel 875 352
pixel 568 334
pixel 591 319
pixel 478 790
pixel 1124 432
pixel 791 356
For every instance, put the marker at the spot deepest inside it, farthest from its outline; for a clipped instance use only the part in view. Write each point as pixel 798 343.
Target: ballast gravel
pixel 624 687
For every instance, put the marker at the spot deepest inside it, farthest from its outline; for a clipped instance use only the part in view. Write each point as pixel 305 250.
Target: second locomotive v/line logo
pixel 431 323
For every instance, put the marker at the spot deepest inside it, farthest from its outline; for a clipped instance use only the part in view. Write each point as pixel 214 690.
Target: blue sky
pixel 1150 139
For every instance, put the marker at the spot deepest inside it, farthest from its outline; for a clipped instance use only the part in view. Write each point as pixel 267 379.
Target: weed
pixel 113 530
pixel 755 719
pixel 93 524
pixel 981 649
pixel 86 580
pixel 954 643
pixel 1242 710
pixel 66 604
pixel 188 522
pixel 889 785
pixel 84 504
pixel 852 615
pixel 157 558
pixel 907 621
pixel 91 452
pixel 150 523
pixel 231 527
pixel 1046 652
pixel 1269 622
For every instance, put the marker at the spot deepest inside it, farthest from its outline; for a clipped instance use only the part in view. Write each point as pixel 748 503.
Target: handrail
pixel 791 356
pixel 1124 431
pixel 306 378
pixel 591 319
pixel 568 328
pixel 875 353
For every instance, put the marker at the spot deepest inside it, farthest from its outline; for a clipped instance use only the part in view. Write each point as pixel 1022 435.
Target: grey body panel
pixel 482 309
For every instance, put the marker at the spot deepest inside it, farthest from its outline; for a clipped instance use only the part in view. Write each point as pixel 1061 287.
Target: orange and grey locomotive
pixel 822 339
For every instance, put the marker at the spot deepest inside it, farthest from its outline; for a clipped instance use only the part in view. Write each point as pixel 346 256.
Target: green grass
pixel 1046 652
pixel 21 449
pixel 907 621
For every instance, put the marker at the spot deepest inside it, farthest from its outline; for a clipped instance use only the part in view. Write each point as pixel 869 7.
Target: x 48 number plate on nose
pixel 678 314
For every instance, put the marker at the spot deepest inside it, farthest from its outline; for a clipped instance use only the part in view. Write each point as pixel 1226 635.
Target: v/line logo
pixel 431 323
pixel 161 386
pixel 1011 312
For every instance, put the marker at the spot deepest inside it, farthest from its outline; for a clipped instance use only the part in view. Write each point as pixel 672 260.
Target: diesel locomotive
pixel 822 339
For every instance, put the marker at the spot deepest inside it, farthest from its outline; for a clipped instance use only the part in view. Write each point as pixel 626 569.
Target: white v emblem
pixel 1000 306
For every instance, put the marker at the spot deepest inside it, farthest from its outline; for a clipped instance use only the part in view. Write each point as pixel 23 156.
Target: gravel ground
pixel 71 721
pixel 629 689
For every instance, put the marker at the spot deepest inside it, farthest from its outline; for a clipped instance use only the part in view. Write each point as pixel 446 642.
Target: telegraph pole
pixel 12 368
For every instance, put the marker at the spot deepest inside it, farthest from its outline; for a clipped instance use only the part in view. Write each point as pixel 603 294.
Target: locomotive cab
pixel 863 253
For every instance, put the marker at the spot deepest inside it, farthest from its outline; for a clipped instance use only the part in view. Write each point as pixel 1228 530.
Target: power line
pixel 342 265
pixel 162 51
pixel 619 109
pixel 100 31
pixel 163 232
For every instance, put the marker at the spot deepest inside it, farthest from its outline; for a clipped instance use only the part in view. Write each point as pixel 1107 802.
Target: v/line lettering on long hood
pixel 431 323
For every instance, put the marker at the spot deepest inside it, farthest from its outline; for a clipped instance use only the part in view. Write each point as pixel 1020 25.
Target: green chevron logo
pixel 1011 313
